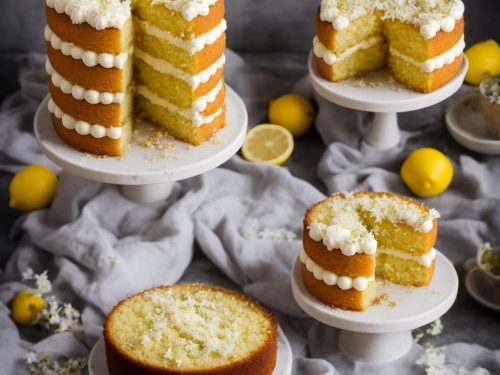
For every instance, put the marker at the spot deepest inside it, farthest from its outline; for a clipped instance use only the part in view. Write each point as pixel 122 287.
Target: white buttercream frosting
pixel 436 62
pixel 189 9
pixel 89 58
pixel 330 278
pixel 165 67
pixel 424 260
pixel 431 15
pixel 80 93
pixel 83 127
pixel 100 14
pixel 193 45
pixel 192 114
pixel 321 51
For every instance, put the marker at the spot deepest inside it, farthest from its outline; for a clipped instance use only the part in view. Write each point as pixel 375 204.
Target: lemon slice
pixel 268 143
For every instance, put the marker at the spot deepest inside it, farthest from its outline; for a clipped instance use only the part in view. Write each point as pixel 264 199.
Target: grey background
pixel 274 35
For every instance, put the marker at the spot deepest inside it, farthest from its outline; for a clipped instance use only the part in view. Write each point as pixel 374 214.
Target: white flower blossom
pixel 28 274
pixel 43 365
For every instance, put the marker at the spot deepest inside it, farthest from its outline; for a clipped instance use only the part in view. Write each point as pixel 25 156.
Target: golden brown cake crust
pixel 88 143
pixel 84 35
pixel 261 362
pixel 332 295
pixel 203 24
pixel 102 114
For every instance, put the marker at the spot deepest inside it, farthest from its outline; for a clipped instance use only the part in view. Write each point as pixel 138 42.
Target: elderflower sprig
pixel 55 315
pixel 42 364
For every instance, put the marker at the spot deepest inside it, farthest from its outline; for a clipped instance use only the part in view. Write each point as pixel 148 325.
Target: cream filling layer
pixel 322 52
pixel 193 45
pixel 83 127
pixel 435 63
pixel 89 58
pixel 424 260
pixel 164 67
pixel 197 118
pixel 78 92
pixel 329 278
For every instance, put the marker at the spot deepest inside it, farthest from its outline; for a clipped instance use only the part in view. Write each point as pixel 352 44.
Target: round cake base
pixel 147 174
pixel 97 359
pixel 382 333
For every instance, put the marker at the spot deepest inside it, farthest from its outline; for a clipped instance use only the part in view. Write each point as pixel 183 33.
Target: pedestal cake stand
pixel 147 174
pixel 385 98
pixel 382 333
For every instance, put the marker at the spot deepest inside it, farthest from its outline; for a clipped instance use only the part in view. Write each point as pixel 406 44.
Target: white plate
pixel 467 126
pixel 414 307
pixel 98 365
pixel 141 165
pixel 383 97
pixel 479 290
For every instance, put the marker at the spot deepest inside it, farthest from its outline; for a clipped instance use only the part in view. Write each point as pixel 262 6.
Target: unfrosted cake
pixel 190 329
pixel 350 238
pixel 166 57
pixel 421 42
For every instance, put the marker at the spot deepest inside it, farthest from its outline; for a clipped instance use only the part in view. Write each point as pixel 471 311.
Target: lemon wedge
pixel 268 143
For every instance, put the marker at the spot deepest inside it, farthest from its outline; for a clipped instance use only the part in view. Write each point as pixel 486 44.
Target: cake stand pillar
pixel 383 133
pixel 147 193
pixel 375 347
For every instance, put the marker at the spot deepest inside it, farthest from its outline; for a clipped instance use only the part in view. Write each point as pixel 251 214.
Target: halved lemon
pixel 268 143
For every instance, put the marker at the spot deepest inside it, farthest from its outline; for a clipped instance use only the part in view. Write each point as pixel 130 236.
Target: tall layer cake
pixel 421 42
pixel 350 238
pixel 112 60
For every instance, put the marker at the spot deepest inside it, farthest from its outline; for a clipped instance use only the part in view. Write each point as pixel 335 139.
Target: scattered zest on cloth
pixel 254 230
pixel 42 364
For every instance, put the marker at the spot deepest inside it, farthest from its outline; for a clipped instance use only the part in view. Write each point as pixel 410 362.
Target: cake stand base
pixel 147 193
pixel 382 333
pixel 147 174
pixel 375 347
pixel 383 132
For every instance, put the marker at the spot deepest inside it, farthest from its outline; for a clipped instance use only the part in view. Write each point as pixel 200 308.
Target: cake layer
pixel 360 59
pixel 158 46
pixel 170 83
pixel 340 41
pixel 88 143
pixel 332 295
pixel 407 39
pixel 179 126
pixel 403 271
pixel 414 77
pixel 110 40
pixel 334 261
pixel 190 330
pixel 97 78
pixel 186 23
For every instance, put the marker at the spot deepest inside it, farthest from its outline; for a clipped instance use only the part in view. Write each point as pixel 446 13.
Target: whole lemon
pixel 484 59
pixel 427 172
pixel 32 188
pixel 293 112
pixel 25 307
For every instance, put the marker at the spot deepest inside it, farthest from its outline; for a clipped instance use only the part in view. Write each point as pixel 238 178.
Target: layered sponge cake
pixel 190 329
pixel 110 61
pixel 350 238
pixel 421 42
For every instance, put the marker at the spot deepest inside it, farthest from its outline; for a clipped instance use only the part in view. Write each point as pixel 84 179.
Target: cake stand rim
pixel 417 100
pixel 310 304
pixel 74 165
pixel 284 358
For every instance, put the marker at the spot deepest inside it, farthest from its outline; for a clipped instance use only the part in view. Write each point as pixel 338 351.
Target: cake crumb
pixel 384 299
pixel 360 82
pixel 215 141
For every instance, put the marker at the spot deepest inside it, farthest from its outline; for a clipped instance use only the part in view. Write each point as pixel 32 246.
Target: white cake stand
pixel 382 333
pixel 382 97
pixel 98 366
pixel 147 174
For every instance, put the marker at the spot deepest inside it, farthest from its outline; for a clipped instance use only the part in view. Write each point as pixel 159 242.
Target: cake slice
pixel 190 329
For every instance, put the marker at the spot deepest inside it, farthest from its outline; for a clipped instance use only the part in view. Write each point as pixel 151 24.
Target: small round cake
pixel 489 90
pixel 190 329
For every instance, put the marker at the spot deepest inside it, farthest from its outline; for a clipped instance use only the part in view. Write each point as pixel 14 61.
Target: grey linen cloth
pixel 244 218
